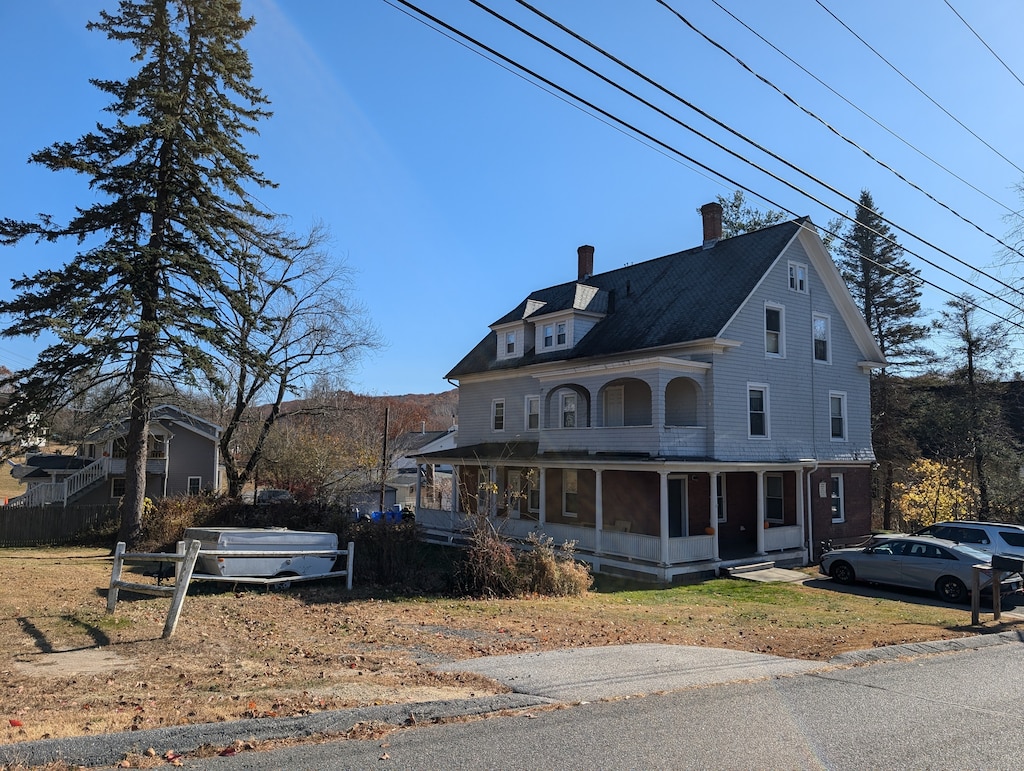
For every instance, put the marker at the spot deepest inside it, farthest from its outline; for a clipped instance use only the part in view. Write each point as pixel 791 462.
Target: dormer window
pixel 510 342
pixel 554 335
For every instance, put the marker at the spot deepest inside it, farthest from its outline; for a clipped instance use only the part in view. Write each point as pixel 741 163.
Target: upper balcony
pixel 626 415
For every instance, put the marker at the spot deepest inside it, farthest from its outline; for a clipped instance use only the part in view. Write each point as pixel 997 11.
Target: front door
pixel 514 494
pixel 677 507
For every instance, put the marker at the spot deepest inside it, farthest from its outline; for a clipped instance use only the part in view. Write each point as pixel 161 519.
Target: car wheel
pixel 283 586
pixel 843 573
pixel 951 589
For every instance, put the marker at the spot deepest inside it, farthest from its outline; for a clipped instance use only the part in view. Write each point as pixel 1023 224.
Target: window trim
pixel 498 415
pixel 841 396
pixel 766 412
pixel 511 339
pixel 827 319
pixel 114 481
pixel 837 497
pixel 780 332
pixel 199 485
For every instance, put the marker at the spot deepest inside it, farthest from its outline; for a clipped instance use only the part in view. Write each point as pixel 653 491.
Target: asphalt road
pixel 947 704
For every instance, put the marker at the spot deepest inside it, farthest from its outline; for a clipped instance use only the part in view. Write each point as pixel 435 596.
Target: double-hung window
pixel 720 496
pixel 510 343
pixel 838 510
pixel 774 339
pixel 532 413
pixel 560 333
pixel 822 338
pixel 570 493
pixel 498 415
pixel 195 485
pixel 798 277
pixel 773 503
pixel 549 335
pixel 837 415
pixel 757 410
pixel 568 410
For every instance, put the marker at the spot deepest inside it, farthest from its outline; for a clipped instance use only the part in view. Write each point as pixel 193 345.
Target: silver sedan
pixel 931 564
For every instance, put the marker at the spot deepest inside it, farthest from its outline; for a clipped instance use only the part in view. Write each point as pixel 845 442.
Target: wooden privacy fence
pixel 184 560
pixel 49 525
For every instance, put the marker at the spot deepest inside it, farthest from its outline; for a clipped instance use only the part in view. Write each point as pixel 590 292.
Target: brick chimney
pixel 712 214
pixel 586 260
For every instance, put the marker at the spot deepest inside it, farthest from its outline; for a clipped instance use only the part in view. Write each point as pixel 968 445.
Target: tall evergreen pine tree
pixel 888 291
pixel 137 304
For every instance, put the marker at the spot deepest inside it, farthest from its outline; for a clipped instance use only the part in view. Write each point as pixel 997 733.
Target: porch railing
pixel 637 546
pixel 784 537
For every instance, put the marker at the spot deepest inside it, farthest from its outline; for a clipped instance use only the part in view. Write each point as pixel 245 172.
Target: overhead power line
pixel 863 112
pixel 636 131
pixel 846 139
pixel 727 128
pixel 917 87
pixel 980 38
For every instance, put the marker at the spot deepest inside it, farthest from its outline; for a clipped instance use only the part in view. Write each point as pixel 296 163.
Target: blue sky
pixel 453 187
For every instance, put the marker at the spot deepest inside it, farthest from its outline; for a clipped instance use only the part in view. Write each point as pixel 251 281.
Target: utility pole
pixel 384 461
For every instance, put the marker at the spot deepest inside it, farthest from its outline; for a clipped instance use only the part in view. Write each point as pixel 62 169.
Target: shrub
pixel 493 568
pixel 489 567
pixel 545 571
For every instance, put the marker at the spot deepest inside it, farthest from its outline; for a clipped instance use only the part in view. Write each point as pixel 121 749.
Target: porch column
pixel 759 525
pixel 714 514
pixel 419 486
pixel 492 478
pixel 543 484
pixel 598 511
pixel 664 517
pixel 800 503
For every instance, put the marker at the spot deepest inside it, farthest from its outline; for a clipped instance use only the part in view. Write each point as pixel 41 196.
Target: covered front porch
pixel 643 520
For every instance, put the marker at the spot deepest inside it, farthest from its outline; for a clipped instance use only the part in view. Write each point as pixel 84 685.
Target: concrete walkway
pixel 589 674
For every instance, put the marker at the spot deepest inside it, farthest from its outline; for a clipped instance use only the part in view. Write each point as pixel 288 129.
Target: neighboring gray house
pixel 183 460
pixel 701 410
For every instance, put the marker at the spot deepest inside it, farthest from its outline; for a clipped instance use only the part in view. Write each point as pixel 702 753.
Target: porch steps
pixel 766 572
pixel 738 569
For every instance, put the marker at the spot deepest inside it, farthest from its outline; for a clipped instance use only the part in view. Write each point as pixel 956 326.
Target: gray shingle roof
pixel 674 299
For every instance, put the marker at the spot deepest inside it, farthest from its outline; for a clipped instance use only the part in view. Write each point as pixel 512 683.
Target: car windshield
pixel 973 553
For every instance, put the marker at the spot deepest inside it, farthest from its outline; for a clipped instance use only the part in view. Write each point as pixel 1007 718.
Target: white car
pixel 989 537
pixel 925 562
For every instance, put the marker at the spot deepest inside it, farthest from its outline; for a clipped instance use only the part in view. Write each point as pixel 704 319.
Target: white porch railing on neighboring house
pixel 65 490
pixel 783 537
pixel 39 495
pixel 86 477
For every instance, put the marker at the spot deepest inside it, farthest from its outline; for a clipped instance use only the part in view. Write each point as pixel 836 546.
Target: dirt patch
pixel 68 668
pixel 89 661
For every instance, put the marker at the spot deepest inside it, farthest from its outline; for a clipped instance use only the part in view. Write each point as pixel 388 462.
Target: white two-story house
pixel 693 412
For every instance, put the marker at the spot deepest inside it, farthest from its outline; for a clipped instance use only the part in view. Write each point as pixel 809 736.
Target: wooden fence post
pixel 115 576
pixel 181 583
pixel 348 565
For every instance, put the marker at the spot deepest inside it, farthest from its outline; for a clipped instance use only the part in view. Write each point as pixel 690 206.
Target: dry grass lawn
pixel 67 668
